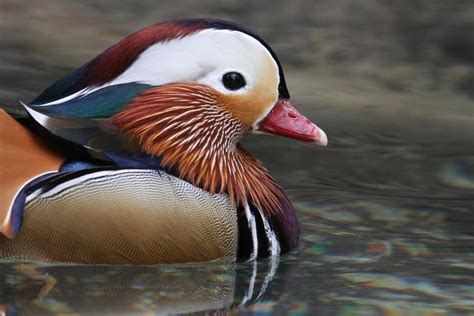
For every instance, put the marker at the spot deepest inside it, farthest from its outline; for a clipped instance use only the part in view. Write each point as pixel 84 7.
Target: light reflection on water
pixel 386 210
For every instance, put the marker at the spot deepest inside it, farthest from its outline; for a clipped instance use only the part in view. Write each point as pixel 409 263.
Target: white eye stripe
pixel 203 57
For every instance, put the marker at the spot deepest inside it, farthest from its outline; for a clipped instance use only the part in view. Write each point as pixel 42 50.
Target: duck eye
pixel 233 80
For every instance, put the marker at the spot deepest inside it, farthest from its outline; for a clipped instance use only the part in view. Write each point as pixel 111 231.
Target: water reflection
pixel 399 276
pixel 33 288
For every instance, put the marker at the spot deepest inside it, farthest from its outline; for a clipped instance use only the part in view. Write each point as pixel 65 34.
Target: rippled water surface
pixel 386 210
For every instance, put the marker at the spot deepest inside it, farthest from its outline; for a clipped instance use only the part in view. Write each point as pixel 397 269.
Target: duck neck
pixel 193 134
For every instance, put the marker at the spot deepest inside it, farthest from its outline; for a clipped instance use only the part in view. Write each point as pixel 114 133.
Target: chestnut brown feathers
pixel 185 126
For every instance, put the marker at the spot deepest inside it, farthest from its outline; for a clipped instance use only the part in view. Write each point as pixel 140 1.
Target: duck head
pixel 188 91
pixel 211 86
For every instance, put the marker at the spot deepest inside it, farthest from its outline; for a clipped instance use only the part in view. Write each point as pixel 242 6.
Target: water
pixel 386 210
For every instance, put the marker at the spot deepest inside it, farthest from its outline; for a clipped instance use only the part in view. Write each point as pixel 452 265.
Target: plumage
pixel 124 227
pixel 19 148
pixel 207 156
pixel 150 167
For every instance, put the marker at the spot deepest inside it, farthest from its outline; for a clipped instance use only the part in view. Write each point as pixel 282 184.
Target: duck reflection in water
pixel 99 289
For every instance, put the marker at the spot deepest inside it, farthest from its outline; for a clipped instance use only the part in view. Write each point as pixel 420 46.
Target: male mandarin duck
pixel 135 156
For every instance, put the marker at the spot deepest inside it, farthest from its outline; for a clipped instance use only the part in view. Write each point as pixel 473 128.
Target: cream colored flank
pixel 125 217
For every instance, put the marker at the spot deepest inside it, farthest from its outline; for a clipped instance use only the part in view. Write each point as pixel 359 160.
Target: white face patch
pixel 203 57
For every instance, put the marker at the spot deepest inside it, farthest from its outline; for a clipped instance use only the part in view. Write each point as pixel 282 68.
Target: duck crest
pixel 115 60
pixel 185 126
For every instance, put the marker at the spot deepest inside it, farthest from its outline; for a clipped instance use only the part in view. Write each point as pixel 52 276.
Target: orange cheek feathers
pixel 253 105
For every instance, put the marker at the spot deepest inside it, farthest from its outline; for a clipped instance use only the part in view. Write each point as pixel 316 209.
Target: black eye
pixel 233 80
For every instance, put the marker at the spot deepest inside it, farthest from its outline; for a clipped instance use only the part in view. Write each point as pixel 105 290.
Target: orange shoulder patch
pixel 23 156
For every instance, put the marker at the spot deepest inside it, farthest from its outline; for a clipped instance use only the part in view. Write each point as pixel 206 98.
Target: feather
pixel 157 119
pixel 99 103
pixel 95 135
pixel 23 156
pixel 127 216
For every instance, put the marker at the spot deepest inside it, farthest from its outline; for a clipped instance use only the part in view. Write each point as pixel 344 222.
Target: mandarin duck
pixel 135 157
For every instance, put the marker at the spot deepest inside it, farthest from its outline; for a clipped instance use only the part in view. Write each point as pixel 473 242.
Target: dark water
pixel 387 210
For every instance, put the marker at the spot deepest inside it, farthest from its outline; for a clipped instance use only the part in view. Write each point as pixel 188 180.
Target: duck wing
pixel 82 118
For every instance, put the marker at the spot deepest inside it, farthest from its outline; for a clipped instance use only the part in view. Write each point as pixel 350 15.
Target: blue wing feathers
pixel 18 206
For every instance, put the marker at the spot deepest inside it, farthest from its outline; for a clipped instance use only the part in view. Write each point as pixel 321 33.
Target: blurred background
pixel 402 46
pixel 386 209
